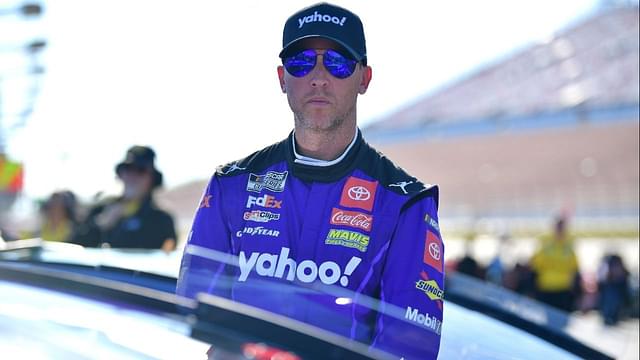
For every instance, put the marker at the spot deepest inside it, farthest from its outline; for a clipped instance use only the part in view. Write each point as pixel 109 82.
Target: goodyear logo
pixel 431 288
pixel 350 239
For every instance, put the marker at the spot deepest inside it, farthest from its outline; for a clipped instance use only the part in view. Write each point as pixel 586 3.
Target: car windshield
pixel 329 312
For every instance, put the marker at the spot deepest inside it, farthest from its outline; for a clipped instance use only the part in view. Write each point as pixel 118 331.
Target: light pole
pixel 11 171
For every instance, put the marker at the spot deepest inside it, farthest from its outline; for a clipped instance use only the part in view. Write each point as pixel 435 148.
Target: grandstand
pixel 553 127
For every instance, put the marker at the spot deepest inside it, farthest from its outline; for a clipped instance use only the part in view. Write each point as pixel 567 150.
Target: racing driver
pixel 322 209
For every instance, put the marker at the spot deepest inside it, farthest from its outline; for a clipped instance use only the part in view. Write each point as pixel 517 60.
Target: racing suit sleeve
pixel 412 284
pixel 208 248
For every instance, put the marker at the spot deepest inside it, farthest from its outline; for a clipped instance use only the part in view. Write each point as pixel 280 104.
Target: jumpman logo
pixel 233 167
pixel 401 185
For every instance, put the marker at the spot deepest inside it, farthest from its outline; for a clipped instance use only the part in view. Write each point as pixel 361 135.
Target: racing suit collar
pixel 323 171
pixel 306 160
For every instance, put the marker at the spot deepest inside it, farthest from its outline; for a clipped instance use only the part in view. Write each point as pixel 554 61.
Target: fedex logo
pixel 266 201
pixel 321 18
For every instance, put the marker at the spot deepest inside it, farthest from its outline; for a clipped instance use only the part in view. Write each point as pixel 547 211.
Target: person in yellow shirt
pixel 59 220
pixel 555 268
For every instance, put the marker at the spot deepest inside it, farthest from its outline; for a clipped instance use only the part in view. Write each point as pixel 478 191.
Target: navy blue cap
pixel 326 21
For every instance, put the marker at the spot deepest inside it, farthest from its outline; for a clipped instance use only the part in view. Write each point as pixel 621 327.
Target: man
pixel 322 209
pixel 556 270
pixel 132 220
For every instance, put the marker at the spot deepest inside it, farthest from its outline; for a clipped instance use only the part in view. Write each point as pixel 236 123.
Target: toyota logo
pixel 434 251
pixel 359 193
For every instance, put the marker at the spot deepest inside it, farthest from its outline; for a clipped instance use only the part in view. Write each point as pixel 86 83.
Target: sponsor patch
pixel 204 203
pixel 266 201
pixel 350 239
pixel 433 251
pixel 430 322
pixel 272 180
pixel 260 216
pixel 430 288
pixel 432 222
pixel 306 271
pixel 351 218
pixel 258 230
pixel 358 193
pixel 317 17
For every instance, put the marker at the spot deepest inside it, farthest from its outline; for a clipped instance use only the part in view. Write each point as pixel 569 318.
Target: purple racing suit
pixel 361 225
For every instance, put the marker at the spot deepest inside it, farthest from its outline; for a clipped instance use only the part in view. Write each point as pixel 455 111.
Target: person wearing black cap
pixel 131 220
pixel 322 208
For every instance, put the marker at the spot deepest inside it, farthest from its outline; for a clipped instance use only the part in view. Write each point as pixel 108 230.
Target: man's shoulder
pixel 256 162
pixel 394 178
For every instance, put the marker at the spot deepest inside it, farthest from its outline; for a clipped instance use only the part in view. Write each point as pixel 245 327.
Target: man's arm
pixel 412 286
pixel 209 238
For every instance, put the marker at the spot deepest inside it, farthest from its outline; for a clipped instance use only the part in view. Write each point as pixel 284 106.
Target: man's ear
pixel 283 87
pixel 366 79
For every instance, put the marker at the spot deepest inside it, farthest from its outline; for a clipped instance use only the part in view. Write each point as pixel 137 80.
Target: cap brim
pixel 292 45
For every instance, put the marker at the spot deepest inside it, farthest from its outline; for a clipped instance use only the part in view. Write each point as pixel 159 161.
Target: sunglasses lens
pixel 301 63
pixel 338 65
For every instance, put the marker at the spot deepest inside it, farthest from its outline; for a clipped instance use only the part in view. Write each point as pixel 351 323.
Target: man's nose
pixel 319 74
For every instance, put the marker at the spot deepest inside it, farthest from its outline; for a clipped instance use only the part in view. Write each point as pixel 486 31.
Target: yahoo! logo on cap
pixel 322 18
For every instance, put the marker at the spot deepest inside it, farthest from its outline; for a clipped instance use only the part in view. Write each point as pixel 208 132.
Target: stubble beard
pixel 322 123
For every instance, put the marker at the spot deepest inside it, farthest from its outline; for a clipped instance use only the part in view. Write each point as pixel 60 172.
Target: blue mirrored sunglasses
pixel 302 63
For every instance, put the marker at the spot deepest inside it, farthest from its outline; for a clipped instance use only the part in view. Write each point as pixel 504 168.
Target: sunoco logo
pixel 431 288
pixel 426 320
pixel 307 271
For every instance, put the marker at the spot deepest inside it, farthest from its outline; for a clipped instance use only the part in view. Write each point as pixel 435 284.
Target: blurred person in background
pixel 555 269
pixel 59 220
pixel 494 272
pixel 131 220
pixel 468 265
pixel 613 288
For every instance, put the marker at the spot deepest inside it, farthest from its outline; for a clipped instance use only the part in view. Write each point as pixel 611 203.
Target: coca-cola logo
pixel 351 218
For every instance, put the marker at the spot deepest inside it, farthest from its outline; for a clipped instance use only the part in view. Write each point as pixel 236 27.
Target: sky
pixel 196 80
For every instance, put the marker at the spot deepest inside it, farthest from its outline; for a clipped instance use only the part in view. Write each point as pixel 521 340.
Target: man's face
pixel 320 101
pixel 137 182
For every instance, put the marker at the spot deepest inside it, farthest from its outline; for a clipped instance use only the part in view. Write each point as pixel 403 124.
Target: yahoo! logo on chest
pixel 281 266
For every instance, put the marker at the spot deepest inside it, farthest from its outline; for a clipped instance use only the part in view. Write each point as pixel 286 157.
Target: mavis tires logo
pixel 307 271
pixel 350 239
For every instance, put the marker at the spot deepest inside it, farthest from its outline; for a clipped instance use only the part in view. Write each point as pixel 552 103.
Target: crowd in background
pixel 552 276
pixel 129 220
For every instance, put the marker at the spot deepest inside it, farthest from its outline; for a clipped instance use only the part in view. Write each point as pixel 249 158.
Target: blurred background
pixel 522 112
